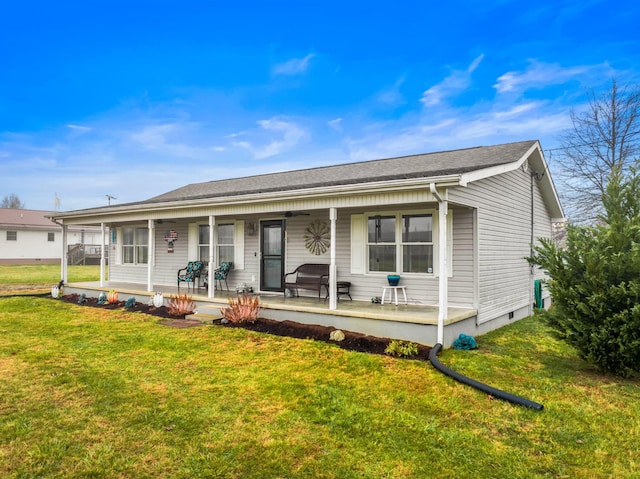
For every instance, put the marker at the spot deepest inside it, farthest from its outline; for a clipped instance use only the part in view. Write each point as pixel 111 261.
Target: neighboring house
pixel 456 225
pixel 29 236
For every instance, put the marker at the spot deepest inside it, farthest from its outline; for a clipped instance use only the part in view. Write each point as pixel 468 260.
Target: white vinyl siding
pixel 504 233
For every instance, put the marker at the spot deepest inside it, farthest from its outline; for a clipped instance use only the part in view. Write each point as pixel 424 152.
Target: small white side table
pixel 394 289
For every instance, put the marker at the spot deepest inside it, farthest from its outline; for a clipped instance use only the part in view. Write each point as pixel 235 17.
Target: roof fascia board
pixel 499 169
pixel 158 208
pixel 549 190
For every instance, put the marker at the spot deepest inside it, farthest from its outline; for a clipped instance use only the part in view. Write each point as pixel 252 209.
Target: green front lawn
pixel 86 392
pixel 44 274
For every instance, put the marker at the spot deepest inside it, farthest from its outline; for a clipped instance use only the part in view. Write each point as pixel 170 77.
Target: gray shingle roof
pixel 414 166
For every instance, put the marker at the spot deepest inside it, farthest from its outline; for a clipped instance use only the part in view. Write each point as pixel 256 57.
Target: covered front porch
pixel 410 322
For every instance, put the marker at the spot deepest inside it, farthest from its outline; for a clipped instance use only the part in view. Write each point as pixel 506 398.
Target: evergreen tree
pixel 595 281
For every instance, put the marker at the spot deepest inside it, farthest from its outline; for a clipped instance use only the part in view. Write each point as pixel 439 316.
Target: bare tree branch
pixel 12 201
pixel 602 139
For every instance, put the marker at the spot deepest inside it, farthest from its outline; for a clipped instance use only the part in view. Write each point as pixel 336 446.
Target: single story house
pixel 29 237
pixel 455 225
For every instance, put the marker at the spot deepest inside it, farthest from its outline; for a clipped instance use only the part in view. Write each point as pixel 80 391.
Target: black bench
pixel 310 276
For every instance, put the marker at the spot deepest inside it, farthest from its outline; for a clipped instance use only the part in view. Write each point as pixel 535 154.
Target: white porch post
pixel 64 260
pixel 333 276
pixel 151 255
pixel 102 255
pixel 443 261
pixel 212 287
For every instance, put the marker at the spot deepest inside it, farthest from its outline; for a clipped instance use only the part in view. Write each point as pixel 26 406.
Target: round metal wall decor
pixel 316 237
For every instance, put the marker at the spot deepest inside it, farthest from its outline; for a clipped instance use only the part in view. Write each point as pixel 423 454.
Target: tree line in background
pixel 12 201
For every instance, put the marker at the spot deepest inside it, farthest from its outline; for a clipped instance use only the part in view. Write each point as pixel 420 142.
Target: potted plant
pixel 393 279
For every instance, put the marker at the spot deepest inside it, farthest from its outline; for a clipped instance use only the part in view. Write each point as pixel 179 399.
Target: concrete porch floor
pixel 385 320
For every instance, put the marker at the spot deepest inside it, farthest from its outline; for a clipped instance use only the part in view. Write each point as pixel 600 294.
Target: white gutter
pixel 443 270
pixel 306 193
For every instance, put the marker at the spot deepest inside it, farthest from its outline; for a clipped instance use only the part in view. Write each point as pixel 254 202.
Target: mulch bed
pixel 353 341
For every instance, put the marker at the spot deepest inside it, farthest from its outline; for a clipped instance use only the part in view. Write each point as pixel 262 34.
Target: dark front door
pixel 272 255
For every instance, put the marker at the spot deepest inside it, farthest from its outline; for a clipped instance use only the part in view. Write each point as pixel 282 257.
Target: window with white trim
pixel 135 245
pixel 400 243
pixel 12 235
pixel 225 244
pixel 51 236
pixel 381 241
pixel 203 243
pixel 417 244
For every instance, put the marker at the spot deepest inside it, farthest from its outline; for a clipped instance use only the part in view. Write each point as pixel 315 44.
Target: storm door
pixel 272 255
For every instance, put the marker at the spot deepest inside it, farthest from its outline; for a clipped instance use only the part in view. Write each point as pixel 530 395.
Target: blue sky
pixel 133 99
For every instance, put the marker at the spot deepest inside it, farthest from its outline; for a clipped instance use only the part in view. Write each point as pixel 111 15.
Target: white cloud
pixel 392 95
pixel 78 127
pixel 289 135
pixel 295 66
pixel 335 124
pixel 178 139
pixel 457 81
pixel 462 128
pixel 539 75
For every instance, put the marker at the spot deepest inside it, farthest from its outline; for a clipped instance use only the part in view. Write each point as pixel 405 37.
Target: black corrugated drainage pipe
pixel 26 295
pixel 497 393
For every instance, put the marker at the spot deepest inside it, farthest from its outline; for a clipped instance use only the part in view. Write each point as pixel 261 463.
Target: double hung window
pixel 203 243
pixel 135 245
pixel 400 243
pixel 225 243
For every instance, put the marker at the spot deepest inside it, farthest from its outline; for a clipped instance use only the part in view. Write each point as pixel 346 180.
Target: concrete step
pixel 205 313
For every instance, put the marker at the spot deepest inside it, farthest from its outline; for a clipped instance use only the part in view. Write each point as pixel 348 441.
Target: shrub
pixel 243 309
pixel 401 349
pixel 181 305
pixel 595 282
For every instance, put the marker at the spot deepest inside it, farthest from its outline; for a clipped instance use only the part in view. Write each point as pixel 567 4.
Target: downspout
pixel 443 285
pixel 433 354
pixel 531 250
pixel 537 176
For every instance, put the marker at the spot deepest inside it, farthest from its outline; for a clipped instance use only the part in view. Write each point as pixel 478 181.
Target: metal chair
pixel 190 274
pixel 221 274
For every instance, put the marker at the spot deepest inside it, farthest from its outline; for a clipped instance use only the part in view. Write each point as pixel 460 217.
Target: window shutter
pixel 238 244
pixel 192 242
pixel 358 244
pixel 118 245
